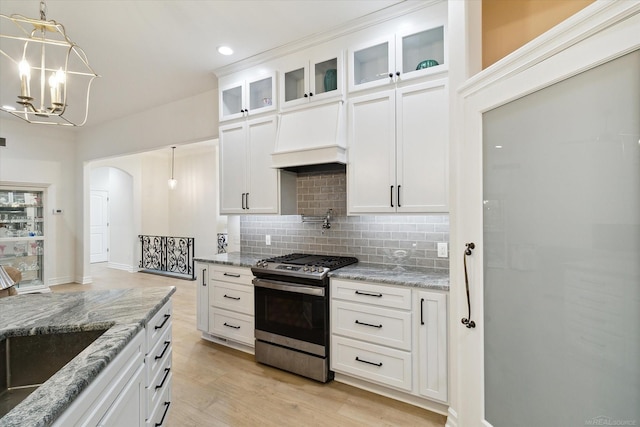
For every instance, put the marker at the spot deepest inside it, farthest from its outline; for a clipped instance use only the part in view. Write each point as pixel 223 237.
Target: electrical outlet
pixel 443 250
pixel 267 239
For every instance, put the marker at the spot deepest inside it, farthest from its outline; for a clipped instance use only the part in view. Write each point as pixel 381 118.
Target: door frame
pixel 601 32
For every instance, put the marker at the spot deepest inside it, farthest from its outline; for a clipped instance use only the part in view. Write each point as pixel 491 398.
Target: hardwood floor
pixel 217 386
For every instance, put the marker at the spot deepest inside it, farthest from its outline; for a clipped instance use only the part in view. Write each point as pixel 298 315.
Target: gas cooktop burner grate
pixel 329 261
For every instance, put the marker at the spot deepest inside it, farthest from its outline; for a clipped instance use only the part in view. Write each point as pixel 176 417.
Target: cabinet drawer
pixel 158 355
pixel 158 417
pixel 234 326
pixel 231 296
pixel 225 273
pixel 158 324
pixel 369 293
pixel 158 384
pixel 373 324
pixel 371 362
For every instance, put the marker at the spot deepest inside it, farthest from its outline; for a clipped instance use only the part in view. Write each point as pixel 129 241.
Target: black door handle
pixel 467 320
pixel 399 205
pixel 391 196
pixel 204 283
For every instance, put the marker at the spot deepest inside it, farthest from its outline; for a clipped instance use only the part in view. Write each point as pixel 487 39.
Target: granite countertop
pixel 123 312
pixel 408 276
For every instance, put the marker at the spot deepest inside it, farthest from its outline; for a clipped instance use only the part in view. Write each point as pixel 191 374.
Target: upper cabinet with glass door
pixel 248 97
pixel 401 56
pixel 304 81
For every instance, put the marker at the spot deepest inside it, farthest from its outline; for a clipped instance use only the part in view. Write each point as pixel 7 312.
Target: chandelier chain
pixel 43 10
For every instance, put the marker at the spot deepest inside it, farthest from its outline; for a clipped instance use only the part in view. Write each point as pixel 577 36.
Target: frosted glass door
pixel 562 252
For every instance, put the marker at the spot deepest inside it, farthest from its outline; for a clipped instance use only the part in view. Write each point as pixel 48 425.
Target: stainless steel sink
pixel 27 362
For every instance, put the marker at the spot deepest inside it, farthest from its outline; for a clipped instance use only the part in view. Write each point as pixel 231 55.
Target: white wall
pixel 194 202
pixel 46 156
pixel 185 121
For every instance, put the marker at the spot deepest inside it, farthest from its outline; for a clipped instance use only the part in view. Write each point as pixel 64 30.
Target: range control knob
pixel 307 268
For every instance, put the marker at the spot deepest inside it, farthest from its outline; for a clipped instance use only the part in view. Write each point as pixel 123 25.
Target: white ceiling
pixel 150 52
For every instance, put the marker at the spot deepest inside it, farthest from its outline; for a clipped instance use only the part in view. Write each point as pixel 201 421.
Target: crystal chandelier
pixel 51 73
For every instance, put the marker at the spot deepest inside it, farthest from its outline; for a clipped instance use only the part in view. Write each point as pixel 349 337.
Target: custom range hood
pixel 311 136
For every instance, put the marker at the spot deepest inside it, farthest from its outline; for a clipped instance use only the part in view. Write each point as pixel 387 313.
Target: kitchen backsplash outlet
pixel 380 239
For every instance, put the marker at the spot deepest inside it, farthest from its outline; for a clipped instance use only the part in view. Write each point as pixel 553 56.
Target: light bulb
pixel 172 183
pixel 25 77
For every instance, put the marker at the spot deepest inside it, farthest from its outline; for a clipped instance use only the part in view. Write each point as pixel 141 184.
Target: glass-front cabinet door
pixel 371 64
pixel 312 80
pixel 418 52
pixel 248 97
pixel 22 235
pixel 398 57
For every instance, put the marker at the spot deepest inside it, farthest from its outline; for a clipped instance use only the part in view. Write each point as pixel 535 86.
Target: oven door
pixel 292 315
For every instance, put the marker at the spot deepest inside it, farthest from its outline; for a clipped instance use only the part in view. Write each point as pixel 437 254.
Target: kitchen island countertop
pixel 408 276
pixel 123 312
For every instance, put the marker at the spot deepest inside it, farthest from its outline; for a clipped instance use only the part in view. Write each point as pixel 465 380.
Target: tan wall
pixel 509 24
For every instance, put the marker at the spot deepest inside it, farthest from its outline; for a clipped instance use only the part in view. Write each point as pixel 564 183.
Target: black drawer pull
pixel 233 298
pixel 204 283
pixel 368 324
pixel 166 374
pixel 367 362
pixel 166 409
pixel 368 294
pixel 231 275
pixel 164 350
pixel 231 326
pixel 161 325
pixel 422 311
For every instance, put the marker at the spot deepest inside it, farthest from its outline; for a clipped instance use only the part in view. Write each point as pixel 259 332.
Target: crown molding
pixel 594 18
pixel 387 14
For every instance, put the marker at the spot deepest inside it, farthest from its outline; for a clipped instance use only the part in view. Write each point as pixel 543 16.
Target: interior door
pixel 552 202
pixel 99 224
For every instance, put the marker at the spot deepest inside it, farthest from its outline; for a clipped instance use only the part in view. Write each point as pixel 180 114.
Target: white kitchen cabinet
pixel 158 363
pixel 248 183
pixel 116 395
pixel 247 97
pixel 398 150
pixel 398 57
pixel 432 344
pixel 229 311
pixel 202 297
pixel 371 332
pixel 391 340
pixel 304 81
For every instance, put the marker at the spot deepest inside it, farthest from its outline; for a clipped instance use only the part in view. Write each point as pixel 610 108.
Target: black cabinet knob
pixel 398 73
pixel 306 96
pixel 390 75
pixel 310 93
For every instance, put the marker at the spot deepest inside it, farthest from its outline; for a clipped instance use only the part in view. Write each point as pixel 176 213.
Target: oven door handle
pixel 288 287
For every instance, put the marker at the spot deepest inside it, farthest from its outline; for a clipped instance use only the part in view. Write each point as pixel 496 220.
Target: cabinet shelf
pixel 22 234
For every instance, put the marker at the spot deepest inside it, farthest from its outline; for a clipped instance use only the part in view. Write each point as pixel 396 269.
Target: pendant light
pixel 172 182
pixel 52 74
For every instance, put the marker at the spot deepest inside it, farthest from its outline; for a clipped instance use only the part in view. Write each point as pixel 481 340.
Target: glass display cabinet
pixel 22 235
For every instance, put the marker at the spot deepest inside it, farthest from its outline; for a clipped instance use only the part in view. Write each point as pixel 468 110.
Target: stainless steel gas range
pixel 292 312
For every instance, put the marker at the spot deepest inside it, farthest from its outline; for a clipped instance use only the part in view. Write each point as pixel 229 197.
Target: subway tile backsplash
pixel 380 239
pixel 375 239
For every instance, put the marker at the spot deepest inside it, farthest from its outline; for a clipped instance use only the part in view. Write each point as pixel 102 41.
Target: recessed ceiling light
pixel 9 107
pixel 225 50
